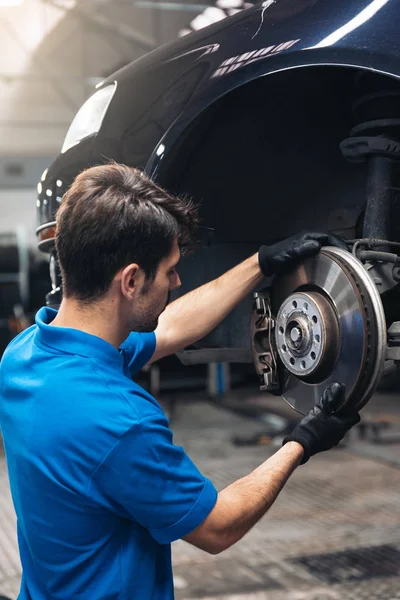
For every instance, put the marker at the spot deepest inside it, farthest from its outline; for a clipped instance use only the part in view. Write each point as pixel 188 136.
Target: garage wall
pixel 18 207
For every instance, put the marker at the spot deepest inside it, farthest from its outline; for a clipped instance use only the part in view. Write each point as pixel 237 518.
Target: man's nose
pixel 176 282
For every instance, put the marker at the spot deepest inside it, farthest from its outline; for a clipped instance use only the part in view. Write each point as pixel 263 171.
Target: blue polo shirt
pixel 99 488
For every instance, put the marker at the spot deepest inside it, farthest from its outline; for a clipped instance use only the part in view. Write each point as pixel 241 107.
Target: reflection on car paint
pixel 236 62
pixel 365 15
pixel 264 7
pixel 213 14
pixel 209 49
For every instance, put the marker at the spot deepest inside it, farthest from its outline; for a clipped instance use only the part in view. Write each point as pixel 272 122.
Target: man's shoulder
pixel 25 336
pixel 22 341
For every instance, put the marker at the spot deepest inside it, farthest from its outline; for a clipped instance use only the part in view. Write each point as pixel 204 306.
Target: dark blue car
pixel 283 117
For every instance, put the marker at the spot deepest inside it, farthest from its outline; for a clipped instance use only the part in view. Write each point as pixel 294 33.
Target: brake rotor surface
pixel 330 326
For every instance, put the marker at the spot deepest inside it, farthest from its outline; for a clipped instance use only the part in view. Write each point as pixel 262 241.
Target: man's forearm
pixel 240 505
pixel 248 499
pixel 195 314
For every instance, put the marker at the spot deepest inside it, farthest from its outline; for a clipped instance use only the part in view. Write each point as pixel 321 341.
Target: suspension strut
pixel 375 140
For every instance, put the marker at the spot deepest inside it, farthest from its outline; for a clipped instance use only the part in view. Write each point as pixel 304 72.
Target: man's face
pixel 154 295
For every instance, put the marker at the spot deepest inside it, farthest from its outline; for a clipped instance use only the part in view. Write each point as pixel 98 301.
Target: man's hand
pixel 283 256
pixel 322 429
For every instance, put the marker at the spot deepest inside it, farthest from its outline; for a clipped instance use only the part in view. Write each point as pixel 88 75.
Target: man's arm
pixel 194 315
pixel 242 504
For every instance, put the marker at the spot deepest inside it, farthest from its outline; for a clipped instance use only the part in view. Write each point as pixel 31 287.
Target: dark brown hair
pixel 111 216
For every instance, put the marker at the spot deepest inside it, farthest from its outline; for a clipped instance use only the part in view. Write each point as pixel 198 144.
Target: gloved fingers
pixel 334 240
pixel 286 254
pixel 314 413
pixel 326 239
pixel 302 249
pixel 349 420
pixel 332 398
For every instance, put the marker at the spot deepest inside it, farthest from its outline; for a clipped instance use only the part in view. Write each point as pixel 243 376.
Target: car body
pixel 246 116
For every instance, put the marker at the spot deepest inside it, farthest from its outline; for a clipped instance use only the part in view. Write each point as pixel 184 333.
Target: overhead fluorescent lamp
pixel 181 6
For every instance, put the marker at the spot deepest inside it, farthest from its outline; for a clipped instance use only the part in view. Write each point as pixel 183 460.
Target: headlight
pixel 89 117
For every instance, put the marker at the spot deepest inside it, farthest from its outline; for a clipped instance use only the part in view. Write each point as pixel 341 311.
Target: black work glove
pixel 283 256
pixel 322 429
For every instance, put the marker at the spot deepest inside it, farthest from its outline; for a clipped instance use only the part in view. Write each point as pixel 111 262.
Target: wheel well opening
pixel 264 161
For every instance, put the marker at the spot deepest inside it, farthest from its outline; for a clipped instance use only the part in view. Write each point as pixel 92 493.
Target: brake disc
pixel 330 326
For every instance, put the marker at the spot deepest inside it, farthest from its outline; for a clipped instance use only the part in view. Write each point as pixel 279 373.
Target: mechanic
pixel 99 488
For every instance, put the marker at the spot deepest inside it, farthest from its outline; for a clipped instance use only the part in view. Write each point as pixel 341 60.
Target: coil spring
pixel 376 107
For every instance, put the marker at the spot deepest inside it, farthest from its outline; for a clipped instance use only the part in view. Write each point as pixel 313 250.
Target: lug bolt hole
pixel 281 330
pixel 313 355
pixel 292 361
pixel 284 348
pixel 315 320
pixel 294 304
pixel 303 364
pixel 305 305
pixel 317 338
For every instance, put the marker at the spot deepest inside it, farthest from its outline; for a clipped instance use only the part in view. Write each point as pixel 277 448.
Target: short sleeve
pixel 138 349
pixel 148 479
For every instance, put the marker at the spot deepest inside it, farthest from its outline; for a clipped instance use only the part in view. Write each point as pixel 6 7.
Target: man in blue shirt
pixel 99 488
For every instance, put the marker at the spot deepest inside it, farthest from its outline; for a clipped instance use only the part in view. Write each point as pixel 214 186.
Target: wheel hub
pixel 305 323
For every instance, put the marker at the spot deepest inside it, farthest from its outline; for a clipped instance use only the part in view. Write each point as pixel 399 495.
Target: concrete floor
pixel 333 533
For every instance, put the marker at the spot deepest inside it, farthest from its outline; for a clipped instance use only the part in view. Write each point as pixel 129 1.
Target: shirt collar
pixel 73 341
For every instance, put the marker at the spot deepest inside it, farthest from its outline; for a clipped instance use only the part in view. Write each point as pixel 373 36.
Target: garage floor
pixel 333 534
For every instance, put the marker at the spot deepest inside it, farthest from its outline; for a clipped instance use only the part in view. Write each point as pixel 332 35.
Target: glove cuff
pixel 302 442
pixel 264 262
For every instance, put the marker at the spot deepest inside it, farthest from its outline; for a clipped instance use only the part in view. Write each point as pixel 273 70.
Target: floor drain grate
pixel 353 565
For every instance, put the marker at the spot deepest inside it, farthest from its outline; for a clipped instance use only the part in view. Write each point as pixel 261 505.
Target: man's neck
pixel 98 318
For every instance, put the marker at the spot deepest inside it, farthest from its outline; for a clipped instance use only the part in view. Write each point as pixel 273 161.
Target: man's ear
pixel 130 280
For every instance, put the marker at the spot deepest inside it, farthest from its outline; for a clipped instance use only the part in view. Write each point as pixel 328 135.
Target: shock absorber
pixel 375 140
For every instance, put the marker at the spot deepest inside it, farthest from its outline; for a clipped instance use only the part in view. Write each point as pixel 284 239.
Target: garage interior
pixel 333 533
